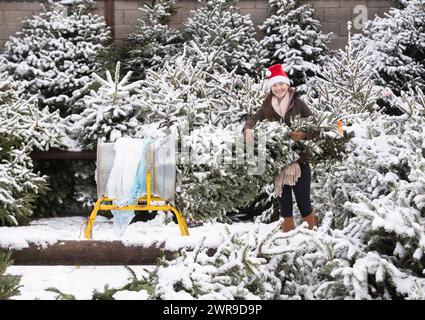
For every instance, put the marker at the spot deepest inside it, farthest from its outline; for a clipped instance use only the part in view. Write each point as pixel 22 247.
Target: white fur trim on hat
pixel 278 79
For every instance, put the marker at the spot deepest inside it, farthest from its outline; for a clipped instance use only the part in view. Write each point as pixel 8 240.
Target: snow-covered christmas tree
pixel 293 38
pixel 344 90
pixel 23 128
pixel 347 93
pixel 374 196
pixel 396 46
pixel 220 38
pixel 373 191
pixel 110 112
pixel 152 42
pixel 56 52
pixel 39 129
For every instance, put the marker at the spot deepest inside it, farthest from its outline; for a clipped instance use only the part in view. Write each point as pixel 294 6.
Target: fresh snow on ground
pixel 79 281
pixel 44 232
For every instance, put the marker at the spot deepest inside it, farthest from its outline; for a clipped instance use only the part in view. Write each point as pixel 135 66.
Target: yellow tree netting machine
pixel 136 175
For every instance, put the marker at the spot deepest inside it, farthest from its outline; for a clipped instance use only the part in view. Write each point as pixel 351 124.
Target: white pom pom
pixel 268 73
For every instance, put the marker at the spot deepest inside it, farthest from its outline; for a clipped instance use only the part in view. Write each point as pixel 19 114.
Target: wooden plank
pixel 91 252
pixel 63 155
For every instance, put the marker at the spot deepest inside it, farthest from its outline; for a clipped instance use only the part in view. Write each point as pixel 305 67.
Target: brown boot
pixel 311 220
pixel 288 224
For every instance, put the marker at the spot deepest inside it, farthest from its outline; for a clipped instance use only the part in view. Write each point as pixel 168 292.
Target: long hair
pixel 267 106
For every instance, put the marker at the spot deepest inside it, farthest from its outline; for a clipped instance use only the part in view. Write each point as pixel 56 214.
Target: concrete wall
pixel 333 14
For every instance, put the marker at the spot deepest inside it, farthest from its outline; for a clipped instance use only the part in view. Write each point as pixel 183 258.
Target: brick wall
pixel 333 14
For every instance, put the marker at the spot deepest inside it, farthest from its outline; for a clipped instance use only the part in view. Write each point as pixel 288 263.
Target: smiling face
pixel 280 89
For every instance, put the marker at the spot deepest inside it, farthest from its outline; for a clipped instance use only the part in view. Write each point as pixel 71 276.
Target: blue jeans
pixel 301 191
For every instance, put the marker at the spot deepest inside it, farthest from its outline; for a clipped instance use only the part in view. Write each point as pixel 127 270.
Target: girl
pixel 282 104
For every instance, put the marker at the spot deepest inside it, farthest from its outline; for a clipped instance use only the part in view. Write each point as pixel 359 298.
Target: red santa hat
pixel 276 75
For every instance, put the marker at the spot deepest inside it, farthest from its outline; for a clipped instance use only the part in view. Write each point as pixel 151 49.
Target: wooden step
pixel 91 252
